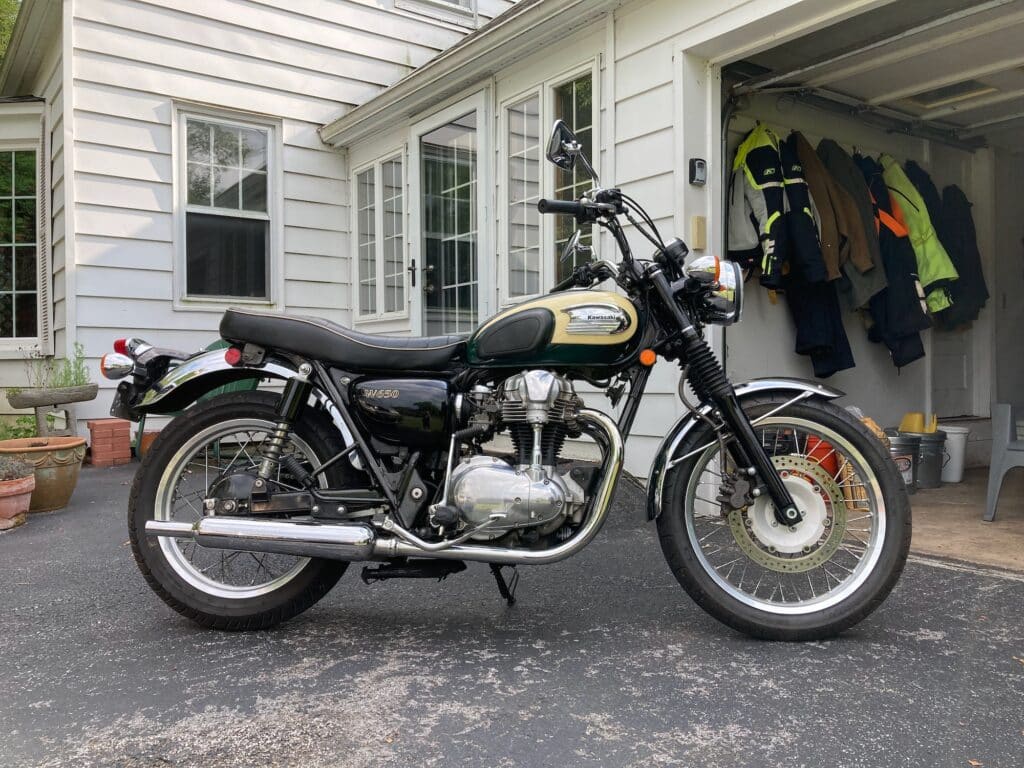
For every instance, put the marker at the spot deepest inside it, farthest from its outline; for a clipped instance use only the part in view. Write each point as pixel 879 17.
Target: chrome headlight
pixel 723 288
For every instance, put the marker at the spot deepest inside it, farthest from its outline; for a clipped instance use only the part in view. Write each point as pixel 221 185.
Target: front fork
pixel 708 379
pixel 749 452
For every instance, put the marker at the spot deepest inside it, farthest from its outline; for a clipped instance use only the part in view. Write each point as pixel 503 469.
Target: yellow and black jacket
pixel 757 204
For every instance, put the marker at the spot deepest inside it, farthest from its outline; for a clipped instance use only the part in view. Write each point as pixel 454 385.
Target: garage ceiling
pixel 955 68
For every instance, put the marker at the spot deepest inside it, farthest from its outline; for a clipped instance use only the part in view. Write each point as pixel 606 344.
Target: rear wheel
pixel 212 444
pixel 804 582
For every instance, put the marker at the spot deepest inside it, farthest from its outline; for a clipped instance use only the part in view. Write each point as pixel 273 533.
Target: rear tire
pixel 728 605
pixel 300 591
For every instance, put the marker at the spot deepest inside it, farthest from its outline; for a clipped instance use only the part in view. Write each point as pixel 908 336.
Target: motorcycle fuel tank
pixel 588 328
pixel 409 412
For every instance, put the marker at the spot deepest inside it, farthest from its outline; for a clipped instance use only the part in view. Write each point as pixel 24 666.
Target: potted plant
pixel 54 382
pixel 56 459
pixel 17 481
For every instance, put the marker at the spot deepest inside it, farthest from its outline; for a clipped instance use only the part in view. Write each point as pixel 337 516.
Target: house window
pixel 461 12
pixel 227 216
pixel 380 239
pixel 574 103
pixel 19 246
pixel 524 164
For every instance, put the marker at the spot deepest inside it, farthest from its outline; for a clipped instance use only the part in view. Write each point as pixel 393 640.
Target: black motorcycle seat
pixel 319 339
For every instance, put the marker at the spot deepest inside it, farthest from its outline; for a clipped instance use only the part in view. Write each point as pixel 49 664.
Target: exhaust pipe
pixel 359 541
pixel 346 541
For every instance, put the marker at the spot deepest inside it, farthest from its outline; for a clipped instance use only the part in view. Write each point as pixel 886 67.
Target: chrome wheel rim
pixel 225 447
pixel 790 580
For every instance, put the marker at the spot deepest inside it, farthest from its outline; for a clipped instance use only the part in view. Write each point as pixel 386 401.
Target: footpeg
pixel 413 569
pixel 507 589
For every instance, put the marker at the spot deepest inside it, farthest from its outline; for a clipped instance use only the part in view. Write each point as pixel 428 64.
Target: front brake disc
pixel 807 471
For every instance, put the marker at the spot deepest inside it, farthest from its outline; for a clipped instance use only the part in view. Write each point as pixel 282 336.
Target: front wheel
pixel 805 582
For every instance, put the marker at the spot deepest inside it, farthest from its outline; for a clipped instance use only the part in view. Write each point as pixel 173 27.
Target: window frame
pixel 444 10
pixel 545 88
pixel 40 344
pixel 274 214
pixel 377 166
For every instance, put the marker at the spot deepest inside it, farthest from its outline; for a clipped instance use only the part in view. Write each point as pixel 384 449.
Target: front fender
pixel 663 459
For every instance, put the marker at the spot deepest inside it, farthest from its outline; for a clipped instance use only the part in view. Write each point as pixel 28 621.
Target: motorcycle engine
pixel 539 409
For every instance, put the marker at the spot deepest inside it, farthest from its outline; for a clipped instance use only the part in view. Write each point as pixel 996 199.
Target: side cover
pixel 665 459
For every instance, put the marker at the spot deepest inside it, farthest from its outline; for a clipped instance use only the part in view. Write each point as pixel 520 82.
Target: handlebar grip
pixel 570 207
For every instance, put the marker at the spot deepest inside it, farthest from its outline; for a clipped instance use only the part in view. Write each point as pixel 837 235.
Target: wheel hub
pixel 809 543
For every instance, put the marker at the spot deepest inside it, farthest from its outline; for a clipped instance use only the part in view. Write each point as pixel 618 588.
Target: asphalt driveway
pixel 604 662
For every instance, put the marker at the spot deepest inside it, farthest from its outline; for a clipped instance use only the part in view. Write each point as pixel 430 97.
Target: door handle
pixel 411 269
pixel 428 287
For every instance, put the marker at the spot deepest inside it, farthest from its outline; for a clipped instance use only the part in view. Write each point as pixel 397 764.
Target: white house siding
pixel 47 85
pixel 299 64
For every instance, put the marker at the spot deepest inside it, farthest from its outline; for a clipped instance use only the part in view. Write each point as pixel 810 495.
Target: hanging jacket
pixel 958 235
pixel 842 233
pixel 757 230
pixel 858 287
pixel 802 220
pixel 923 183
pixel 898 313
pixel 934 267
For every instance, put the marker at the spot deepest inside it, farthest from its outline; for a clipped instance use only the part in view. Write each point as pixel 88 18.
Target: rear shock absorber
pixel 293 400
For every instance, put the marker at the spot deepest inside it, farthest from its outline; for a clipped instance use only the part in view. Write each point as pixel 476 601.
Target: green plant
pixel 50 373
pixel 23 426
pixel 12 468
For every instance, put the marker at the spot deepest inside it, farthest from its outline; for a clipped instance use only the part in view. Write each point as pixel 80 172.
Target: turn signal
pixel 115 365
pixel 648 357
pixel 121 346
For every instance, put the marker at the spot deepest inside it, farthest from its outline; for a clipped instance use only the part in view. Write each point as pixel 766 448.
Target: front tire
pixel 199 592
pixel 814 580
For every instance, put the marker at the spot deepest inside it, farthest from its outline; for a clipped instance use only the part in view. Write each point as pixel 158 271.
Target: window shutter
pixel 44 226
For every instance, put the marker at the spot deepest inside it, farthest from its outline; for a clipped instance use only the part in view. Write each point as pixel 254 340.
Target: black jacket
pixel 958 236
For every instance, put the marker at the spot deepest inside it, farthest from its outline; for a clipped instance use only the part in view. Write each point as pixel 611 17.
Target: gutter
pixel 36 18
pixel 520 31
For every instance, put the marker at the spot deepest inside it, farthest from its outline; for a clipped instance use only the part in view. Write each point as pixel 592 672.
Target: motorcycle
pixel 778 512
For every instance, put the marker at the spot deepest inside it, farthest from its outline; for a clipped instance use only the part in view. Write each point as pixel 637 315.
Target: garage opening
pixel 935 90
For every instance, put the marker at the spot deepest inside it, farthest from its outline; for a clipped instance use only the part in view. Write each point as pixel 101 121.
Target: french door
pixel 452 256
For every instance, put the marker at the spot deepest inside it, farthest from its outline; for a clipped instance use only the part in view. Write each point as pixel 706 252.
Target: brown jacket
pixel 842 232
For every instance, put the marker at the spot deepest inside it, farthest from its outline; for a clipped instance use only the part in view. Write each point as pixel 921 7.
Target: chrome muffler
pixel 333 541
pixel 359 541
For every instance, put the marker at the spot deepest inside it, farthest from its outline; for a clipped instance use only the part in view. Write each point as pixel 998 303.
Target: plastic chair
pixel 245 385
pixel 1007 453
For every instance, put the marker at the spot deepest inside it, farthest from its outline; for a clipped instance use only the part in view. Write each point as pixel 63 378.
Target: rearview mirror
pixel 563 147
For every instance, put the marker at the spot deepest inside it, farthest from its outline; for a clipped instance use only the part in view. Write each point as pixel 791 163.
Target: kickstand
pixel 507 589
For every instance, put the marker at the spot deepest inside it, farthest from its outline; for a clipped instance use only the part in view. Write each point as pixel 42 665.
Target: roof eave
pixel 37 21
pixel 519 31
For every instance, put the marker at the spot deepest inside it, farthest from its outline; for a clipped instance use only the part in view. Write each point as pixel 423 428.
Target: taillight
pixel 121 346
pixel 232 355
pixel 115 365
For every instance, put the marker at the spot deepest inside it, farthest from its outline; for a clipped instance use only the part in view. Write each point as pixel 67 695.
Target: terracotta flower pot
pixel 14 501
pixel 57 461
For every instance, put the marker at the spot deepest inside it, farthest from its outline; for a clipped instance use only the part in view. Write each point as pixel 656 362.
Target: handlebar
pixel 570 207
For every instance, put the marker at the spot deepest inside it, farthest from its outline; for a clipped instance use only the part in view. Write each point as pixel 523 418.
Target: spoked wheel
pixel 807 581
pixel 211 454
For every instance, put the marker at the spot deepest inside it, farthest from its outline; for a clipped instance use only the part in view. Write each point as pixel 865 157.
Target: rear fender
pixel 665 459
pixel 184 384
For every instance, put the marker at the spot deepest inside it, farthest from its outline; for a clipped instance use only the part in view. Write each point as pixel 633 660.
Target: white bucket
pixel 956 449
